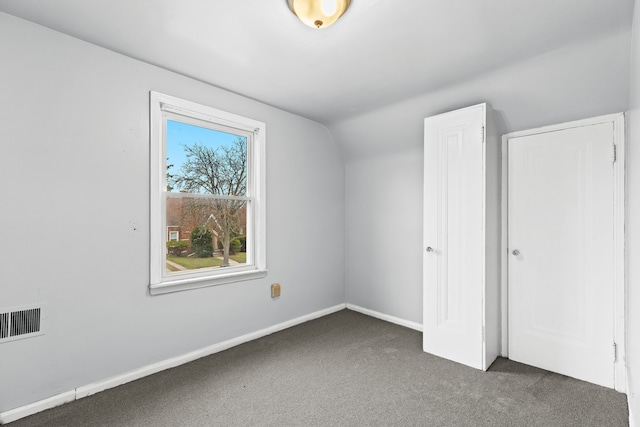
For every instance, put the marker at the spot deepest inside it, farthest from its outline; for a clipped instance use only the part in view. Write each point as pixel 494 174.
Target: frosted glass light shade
pixel 318 13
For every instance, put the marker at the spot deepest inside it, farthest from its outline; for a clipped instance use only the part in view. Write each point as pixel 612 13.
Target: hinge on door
pixel 482 134
pixel 615 153
pixel 615 352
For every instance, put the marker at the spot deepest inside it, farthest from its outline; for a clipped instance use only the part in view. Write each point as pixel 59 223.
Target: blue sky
pixel 180 134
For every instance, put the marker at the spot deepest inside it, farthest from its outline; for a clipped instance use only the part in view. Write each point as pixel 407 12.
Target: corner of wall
pixel 633 226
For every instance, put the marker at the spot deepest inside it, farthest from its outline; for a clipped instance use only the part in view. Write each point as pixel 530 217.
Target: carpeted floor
pixel 345 369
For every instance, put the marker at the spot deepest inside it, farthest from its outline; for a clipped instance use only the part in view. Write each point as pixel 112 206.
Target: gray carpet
pixel 345 369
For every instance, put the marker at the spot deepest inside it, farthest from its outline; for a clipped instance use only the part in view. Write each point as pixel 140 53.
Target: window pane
pixel 212 233
pixel 205 161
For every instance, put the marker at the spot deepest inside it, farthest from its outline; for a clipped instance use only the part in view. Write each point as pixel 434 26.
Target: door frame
pixel 619 197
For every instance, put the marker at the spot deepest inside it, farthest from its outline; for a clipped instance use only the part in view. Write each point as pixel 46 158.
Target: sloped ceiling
pixel 380 52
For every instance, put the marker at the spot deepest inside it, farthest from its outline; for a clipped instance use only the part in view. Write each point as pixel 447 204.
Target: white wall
pixel 633 227
pixel 384 234
pixel 384 168
pixel 74 169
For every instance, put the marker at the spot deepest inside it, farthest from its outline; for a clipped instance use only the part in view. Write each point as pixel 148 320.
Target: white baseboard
pixel 630 396
pixel 88 390
pixel 386 317
pixel 33 408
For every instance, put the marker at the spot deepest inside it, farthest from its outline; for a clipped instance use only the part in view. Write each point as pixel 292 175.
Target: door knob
pixel 516 252
pixel 429 249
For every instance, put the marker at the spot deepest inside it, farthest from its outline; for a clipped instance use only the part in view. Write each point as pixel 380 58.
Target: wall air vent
pixel 20 323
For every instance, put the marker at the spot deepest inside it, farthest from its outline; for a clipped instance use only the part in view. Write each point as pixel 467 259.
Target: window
pixel 207 196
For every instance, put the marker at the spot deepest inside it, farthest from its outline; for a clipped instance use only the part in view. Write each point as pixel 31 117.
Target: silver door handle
pixel 429 249
pixel 516 252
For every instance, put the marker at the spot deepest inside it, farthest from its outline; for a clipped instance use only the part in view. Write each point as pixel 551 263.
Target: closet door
pixel 454 244
pixel 561 246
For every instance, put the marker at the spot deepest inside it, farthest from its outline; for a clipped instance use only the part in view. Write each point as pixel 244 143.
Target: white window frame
pixel 177 234
pixel 163 107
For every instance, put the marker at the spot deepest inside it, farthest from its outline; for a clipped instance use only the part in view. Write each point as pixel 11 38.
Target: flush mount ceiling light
pixel 318 13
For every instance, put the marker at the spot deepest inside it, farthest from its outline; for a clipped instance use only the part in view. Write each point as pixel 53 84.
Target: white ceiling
pixel 380 52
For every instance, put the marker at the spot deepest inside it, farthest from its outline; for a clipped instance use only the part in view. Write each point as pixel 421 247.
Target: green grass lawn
pixel 240 257
pixel 193 263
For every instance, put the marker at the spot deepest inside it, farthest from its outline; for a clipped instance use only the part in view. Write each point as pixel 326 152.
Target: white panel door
pixel 561 252
pixel 453 236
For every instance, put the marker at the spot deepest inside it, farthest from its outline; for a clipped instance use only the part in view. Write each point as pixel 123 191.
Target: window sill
pixel 203 282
